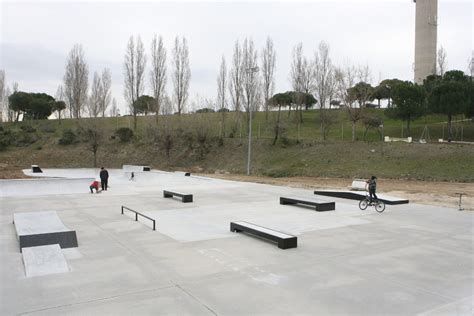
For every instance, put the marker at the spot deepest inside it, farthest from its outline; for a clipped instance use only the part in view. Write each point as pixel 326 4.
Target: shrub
pixel 125 134
pixel 28 128
pixel 5 139
pixel 48 129
pixel 68 138
pixel 205 110
pixel 24 139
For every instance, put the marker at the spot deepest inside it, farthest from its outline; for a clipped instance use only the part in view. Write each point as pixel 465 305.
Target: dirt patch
pixel 423 192
pixel 11 172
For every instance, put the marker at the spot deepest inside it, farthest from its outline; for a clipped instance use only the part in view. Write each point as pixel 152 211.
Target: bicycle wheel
pixel 363 204
pixel 380 206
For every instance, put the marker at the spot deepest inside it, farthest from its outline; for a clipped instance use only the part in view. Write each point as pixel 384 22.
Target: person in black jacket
pixel 104 178
pixel 372 184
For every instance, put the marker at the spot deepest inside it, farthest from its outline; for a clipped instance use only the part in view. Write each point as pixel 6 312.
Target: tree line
pixel 245 86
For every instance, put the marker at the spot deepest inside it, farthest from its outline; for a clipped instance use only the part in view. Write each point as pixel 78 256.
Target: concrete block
pixel 43 228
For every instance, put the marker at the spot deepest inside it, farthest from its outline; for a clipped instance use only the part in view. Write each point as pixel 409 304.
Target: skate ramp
pixel 42 228
pixel 35 187
pixel 44 260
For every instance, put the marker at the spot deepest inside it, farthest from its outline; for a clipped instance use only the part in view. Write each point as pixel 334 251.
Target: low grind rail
pixel 137 213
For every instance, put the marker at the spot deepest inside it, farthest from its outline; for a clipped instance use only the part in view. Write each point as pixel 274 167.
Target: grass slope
pixel 310 156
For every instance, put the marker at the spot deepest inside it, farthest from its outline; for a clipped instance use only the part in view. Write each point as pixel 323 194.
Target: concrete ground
pixel 410 260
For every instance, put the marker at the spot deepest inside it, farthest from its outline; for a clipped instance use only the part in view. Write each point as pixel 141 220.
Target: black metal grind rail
pixel 137 213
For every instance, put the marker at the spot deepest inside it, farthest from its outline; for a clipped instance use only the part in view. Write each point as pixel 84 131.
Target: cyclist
pixel 372 184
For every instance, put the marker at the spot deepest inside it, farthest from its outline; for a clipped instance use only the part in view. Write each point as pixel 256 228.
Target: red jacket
pixel 95 184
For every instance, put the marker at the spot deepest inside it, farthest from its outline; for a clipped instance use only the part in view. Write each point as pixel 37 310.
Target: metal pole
pixel 250 142
pixel 251 71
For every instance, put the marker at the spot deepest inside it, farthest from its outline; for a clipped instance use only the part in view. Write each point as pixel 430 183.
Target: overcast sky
pixel 36 37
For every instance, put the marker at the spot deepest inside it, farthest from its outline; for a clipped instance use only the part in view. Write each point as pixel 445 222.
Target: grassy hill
pixel 195 142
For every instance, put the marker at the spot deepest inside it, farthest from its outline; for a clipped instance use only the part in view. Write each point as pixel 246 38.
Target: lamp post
pixel 250 71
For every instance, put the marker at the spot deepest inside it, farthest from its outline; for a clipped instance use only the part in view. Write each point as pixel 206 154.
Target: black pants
pixel 103 183
pixel 372 193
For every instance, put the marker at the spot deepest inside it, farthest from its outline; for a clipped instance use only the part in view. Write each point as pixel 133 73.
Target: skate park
pixel 410 259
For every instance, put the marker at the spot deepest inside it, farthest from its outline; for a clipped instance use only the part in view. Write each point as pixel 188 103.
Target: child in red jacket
pixel 95 185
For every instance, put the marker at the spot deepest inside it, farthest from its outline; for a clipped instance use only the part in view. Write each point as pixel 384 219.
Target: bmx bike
pixel 377 204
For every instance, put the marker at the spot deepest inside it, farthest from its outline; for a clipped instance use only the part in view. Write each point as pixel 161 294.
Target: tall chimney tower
pixel 425 38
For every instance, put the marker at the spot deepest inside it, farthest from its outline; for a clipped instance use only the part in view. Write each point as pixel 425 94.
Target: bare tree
pixel 106 94
pixel 301 78
pixel 166 106
pixel 134 69
pixel 114 110
pixel 471 65
pixel 235 78
pixel 268 71
pixel 76 81
pixel 158 72
pixel 250 79
pixel 345 79
pixel 3 109
pixel 93 104
pixel 182 73
pixel 60 96
pixel 324 84
pixel 442 61
pixel 297 68
pixel 93 134
pixel 221 93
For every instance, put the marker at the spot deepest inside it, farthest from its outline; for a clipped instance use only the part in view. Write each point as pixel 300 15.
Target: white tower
pixel 425 38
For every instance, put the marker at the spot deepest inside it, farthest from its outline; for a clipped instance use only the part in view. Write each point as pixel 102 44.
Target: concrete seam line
pixel 196 299
pixel 98 299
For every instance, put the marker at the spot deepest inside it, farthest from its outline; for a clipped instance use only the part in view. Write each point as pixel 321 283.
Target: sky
pixel 36 36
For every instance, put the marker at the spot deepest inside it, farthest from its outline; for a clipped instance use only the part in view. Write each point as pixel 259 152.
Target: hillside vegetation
pixel 198 143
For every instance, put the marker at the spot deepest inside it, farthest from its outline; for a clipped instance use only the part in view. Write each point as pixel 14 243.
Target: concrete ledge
pixel 186 197
pixel 284 240
pixel 389 200
pixel 134 168
pixel 319 206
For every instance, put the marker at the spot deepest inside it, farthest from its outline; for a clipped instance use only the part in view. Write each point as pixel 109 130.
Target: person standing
pixel 372 184
pixel 104 178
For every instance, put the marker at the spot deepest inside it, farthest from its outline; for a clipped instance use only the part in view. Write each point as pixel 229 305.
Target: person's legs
pixel 106 182
pixel 375 195
pixel 102 184
pixel 90 187
pixel 371 194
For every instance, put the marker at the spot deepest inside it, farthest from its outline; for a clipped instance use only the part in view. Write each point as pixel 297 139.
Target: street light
pixel 250 71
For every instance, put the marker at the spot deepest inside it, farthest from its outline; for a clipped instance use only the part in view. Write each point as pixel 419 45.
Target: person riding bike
pixel 372 184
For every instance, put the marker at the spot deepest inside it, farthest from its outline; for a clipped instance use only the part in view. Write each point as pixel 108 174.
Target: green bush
pixel 125 134
pixel 5 138
pixel 48 129
pixel 24 139
pixel 68 138
pixel 28 128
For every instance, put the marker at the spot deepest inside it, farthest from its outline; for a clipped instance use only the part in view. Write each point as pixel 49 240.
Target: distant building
pixel 425 38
